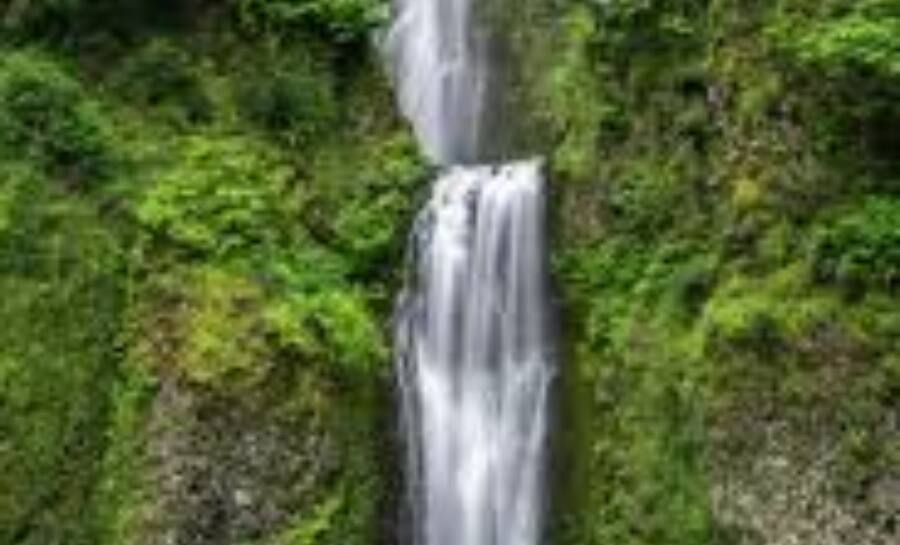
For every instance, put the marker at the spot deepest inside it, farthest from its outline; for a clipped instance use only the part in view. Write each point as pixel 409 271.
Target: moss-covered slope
pixel 728 248
pixel 202 214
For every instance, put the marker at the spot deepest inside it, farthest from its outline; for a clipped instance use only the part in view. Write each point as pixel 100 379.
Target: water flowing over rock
pixel 447 73
pixel 474 359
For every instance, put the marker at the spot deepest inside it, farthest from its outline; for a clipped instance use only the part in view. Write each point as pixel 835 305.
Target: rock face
pixel 787 494
pixel 793 475
pixel 224 470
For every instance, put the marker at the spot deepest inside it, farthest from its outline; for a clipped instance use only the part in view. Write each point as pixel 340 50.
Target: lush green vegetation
pixel 47 119
pixel 64 294
pixel 202 212
pixel 726 236
pixel 202 215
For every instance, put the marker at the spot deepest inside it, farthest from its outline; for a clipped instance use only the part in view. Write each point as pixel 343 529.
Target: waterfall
pixel 474 356
pixel 446 77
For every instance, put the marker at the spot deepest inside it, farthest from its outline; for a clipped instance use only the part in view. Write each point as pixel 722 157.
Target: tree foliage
pixel 46 117
pixel 341 20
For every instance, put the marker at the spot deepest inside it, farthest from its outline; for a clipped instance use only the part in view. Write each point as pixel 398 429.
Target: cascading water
pixel 446 77
pixel 473 341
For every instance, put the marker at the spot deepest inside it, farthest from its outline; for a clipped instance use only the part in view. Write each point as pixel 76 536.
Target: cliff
pixel 726 243
pixel 203 210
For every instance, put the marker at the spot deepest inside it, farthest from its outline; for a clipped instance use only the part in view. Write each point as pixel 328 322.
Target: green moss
pixel 726 254
pixel 205 324
pixel 122 488
pixel 241 254
pixel 61 311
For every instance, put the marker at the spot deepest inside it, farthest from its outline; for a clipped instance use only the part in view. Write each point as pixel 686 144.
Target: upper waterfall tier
pixel 447 73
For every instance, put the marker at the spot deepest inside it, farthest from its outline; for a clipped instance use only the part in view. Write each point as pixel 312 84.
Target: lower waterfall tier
pixel 475 361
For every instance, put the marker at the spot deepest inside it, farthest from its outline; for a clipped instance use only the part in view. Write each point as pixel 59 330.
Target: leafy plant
pixel 318 313
pixel 371 223
pixel 861 250
pixel 851 50
pixel 223 196
pixel 46 117
pixel 39 18
pixel 840 37
pixel 341 20
pixel 61 312
pixel 334 327
pixel 294 100
pixel 161 74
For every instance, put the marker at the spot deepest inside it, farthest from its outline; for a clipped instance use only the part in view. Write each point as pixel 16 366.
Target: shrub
pixel 316 312
pixel 45 117
pixel 648 197
pixel 841 39
pixel 856 47
pixel 340 20
pixel 378 203
pixel 40 17
pixel 861 250
pixel 59 272
pixel 220 198
pixel 762 315
pixel 691 285
pixel 747 325
pixel 225 325
pixel 160 74
pixel 12 178
pixel 334 327
pixel 294 101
